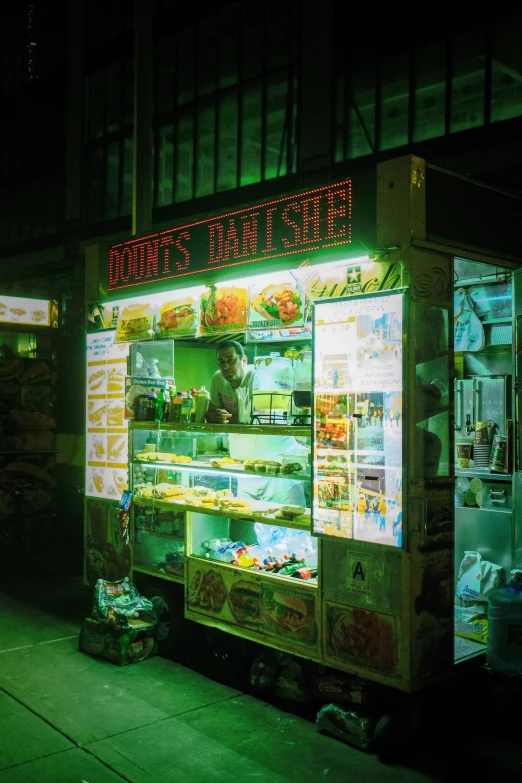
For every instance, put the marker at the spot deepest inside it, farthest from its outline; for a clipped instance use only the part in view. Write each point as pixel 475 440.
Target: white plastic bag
pixel 468 331
pixel 477 578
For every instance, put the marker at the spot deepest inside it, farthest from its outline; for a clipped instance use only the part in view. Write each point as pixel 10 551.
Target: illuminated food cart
pixel 327 528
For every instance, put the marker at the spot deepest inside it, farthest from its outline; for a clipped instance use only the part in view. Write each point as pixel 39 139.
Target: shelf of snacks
pixel 221 503
pixel 308 583
pixel 225 465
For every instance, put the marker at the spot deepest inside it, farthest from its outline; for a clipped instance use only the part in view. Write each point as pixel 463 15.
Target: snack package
pixel 120 605
pixel 471 622
pixel 476 579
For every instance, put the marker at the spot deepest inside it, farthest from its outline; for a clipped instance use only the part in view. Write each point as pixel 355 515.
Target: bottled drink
pixel 202 402
pixel 175 408
pixel 504 645
pixel 161 401
pixel 304 573
pixel 186 407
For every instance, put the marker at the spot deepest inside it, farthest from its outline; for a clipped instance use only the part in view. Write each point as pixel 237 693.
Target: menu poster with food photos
pixel 106 427
pixel 358 419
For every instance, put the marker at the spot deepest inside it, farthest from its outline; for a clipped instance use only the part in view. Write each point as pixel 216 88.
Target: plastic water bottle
pixel 186 407
pixel 504 645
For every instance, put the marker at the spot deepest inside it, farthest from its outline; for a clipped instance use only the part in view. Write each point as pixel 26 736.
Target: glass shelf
pixel 483 474
pixel 198 466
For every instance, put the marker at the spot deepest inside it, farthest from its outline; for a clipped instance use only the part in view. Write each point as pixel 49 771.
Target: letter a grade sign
pixel 359 573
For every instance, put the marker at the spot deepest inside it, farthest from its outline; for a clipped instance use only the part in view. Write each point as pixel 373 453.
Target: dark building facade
pixel 122 118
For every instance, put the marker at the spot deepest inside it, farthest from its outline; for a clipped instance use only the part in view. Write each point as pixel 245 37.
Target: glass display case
pixel 246 488
pixel 357 459
pixel 227 511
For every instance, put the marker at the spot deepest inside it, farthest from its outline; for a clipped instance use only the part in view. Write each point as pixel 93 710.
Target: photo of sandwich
pixel 115 380
pixel 96 413
pixel 284 613
pixel 95 378
pixel 178 317
pixel 116 448
pixel 135 322
pixel 280 303
pixel 244 600
pixel 115 413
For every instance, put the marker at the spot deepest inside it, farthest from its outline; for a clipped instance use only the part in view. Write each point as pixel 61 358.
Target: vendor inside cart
pixel 230 403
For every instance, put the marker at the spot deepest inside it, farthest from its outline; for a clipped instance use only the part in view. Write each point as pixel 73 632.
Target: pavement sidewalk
pixel 66 717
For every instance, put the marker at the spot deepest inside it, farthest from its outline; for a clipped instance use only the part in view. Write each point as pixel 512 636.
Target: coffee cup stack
pixel 481 446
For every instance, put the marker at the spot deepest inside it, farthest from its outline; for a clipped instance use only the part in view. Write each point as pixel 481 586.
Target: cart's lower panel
pixel 264 608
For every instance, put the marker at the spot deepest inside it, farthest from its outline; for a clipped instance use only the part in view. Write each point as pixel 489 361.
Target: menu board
pixel 21 310
pixel 106 427
pixel 357 487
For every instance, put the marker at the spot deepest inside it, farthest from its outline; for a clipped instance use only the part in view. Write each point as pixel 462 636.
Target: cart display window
pixel 357 484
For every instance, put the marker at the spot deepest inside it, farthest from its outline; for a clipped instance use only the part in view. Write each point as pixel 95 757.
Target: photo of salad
pixel 279 304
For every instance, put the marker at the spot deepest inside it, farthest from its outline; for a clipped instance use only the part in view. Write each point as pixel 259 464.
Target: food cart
pixel 375 266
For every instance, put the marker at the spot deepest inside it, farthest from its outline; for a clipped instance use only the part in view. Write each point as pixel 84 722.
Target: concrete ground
pixel 66 717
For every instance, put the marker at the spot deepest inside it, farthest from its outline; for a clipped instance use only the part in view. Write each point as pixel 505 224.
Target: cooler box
pixel 118 646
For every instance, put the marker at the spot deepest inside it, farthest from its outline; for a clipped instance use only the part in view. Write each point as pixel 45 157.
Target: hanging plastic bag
pixel 477 578
pixel 468 331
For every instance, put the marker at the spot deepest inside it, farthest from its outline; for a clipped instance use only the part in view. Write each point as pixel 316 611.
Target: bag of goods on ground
pixel 120 605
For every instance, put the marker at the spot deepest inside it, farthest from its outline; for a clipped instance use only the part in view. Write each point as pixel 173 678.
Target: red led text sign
pixel 303 223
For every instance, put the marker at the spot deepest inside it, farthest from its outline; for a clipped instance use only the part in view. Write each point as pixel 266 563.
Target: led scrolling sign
pixel 302 223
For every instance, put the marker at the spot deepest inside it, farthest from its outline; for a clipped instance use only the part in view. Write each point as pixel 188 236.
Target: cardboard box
pixel 118 646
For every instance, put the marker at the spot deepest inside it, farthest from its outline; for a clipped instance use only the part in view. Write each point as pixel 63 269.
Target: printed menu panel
pixel 107 436
pixel 279 303
pixel 223 308
pixel 21 310
pixel 357 487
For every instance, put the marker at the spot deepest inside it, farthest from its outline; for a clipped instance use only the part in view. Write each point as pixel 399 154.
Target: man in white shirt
pixel 231 386
pixel 230 403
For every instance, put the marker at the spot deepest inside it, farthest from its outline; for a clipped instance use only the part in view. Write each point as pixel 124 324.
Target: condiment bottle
pixel 202 402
